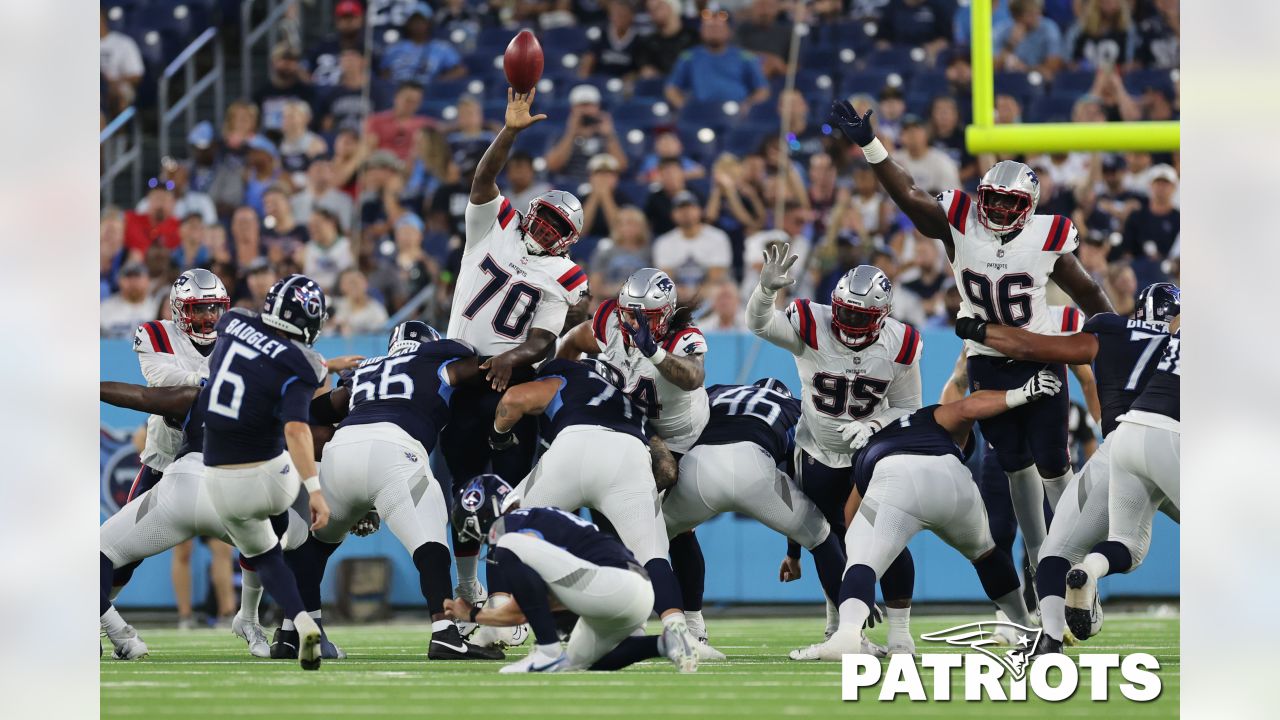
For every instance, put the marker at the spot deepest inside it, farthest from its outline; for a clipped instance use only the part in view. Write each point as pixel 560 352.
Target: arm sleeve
pixel 480 220
pixel 162 370
pixel 770 324
pixel 295 399
pixel 904 396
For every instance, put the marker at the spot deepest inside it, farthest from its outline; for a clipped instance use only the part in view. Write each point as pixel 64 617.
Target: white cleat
pixel 537 661
pixel 1003 634
pixel 833 620
pixel 832 649
pixel 129 647
pixel 706 653
pixel 473 592
pixel 697 626
pixel 499 637
pixel 308 641
pixel 901 644
pixel 253 634
pixel 680 648
pixel 870 648
pixel 1083 610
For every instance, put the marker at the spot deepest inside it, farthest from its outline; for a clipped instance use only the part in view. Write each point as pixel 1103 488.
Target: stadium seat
pixel 635 192
pixel 648 88
pixel 1018 85
pixel 870 82
pixel 696 146
pixel 537 139
pixel 714 114
pixel 898 58
pixel 1137 81
pixel 745 137
pixel 481 63
pixel 445 89
pixel 1050 108
pixel 928 83
pixel 1072 83
pixel 567 39
pixel 644 113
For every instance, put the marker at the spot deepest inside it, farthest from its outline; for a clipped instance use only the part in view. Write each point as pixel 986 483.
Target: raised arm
pixel 578 341
pixel 763 318
pixel 1018 344
pixel 1070 275
pixel 170 402
pixel 484 186
pixel 921 207
pixel 684 371
pixel 958 417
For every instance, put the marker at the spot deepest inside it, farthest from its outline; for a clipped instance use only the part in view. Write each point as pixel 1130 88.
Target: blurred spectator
pixel 282 236
pixel 1093 251
pixel 469 138
pixel 120 63
pixel 924 283
pixel 657 53
pixel 160 268
pixel 694 254
pixel 258 279
pixel 890 111
pixel 418 57
pixel 948 135
pixel 522 183
pixel 600 205
pixel 825 192
pixel 298 145
pixel 1008 111
pixel 405 273
pixel 962 26
pixel 613 54
pixel 588 133
pixel 1116 102
pixel 458 15
pixel 661 199
pixel 1151 231
pixel 1068 170
pixel 1055 199
pixel 717 70
pixel 1113 198
pixel 122 313
pixel 726 310
pixel 354 312
pixel 764 31
pixel 111 249
pixel 346 106
pixel 625 251
pixel 185 201
pixel 668 145
pixel 286 80
pixel 396 128
pixel 804 139
pixel 1158 36
pixel 246 236
pixel 324 63
pixel 1157 103
pixel 934 171
pixel 158 225
pixel 1121 286
pixel 1103 35
pixel 1031 42
pixel 380 198
pixel 449 202
pixel 924 23
pixel 191 251
pixel 319 192
pixel 329 251
pixel 871 213
pixel 204 164
pixel 239 126
pixel 733 206
pixel 795 229
pixel 350 153
pixel 1137 176
pixel 262 161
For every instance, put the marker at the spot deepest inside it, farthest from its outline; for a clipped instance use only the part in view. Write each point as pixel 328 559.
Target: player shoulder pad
pixel 152 337
pixel 1105 323
pixel 1062 236
pixel 506 213
pixel 600 321
pixel 688 341
pixel 800 313
pixel 314 363
pixel 574 281
pixel 446 348
pixel 910 345
pixel 957 205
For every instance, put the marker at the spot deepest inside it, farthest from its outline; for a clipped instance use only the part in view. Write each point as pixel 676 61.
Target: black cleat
pixel 1046 646
pixel 1029 585
pixel 448 644
pixel 284 644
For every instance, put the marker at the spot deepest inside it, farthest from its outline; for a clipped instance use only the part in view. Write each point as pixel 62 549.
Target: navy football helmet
pixel 611 374
pixel 409 334
pixel 773 384
pixel 1158 303
pixel 479 506
pixel 296 305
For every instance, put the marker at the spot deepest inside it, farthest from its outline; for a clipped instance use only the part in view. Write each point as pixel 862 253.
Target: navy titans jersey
pixel 585 398
pixel 914 434
pixel 1128 351
pixel 1162 395
pixel 192 430
pixel 258 381
pixel 568 532
pixel 746 413
pixel 410 390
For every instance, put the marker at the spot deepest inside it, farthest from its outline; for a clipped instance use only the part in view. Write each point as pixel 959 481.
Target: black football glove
pixel 641 335
pixel 856 129
pixel 971 328
pixel 876 616
pixel 502 440
pixel 367 525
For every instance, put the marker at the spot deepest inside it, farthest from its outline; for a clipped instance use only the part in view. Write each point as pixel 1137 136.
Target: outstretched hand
pixel 641 334
pixel 855 128
pixel 773 274
pixel 518 105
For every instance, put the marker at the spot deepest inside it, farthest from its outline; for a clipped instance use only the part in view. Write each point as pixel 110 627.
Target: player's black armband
pixel 322 411
pixel 971 329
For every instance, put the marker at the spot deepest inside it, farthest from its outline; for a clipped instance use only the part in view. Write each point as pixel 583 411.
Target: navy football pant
pixel 1035 433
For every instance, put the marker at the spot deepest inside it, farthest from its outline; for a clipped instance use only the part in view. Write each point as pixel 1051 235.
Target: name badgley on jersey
pixel 676 415
pixel 502 290
pixel 167 358
pixel 1005 282
pixel 839 384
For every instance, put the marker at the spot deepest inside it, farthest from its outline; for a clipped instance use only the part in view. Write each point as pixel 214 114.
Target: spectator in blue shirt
pixel 716 70
pixel 417 56
pixel 1031 42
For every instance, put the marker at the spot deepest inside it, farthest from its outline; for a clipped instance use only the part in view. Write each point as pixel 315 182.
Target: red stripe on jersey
pixel 154 332
pixel 600 323
pixel 1069 317
pixel 505 213
pixel 910 340
pixel 164 337
pixel 670 344
pixel 133 488
pixel 1057 234
pixel 573 278
pixel 808 326
pixel 958 215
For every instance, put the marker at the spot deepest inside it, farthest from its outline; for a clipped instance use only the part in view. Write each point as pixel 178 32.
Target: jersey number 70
pixel 503 322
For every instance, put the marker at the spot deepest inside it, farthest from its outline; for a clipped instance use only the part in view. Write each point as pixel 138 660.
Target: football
pixel 523 62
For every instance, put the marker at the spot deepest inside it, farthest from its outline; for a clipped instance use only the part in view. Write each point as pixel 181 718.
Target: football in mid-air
pixel 523 62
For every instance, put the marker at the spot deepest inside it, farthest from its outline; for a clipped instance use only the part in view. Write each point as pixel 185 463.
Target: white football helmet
pixel 197 300
pixel 1007 196
pixel 859 305
pixel 552 224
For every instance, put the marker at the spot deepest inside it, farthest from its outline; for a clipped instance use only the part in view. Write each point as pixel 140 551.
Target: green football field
pixel 209 674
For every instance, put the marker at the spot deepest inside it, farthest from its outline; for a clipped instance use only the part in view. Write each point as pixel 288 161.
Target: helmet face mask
pixel 1007 196
pixel 859 305
pixel 856 327
pixel 548 228
pixel 1158 304
pixel 659 319
pixel 197 300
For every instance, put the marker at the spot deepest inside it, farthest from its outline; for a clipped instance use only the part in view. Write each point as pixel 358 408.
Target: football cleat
pixel 284 644
pixel 679 650
pixel 900 644
pixel 448 644
pixel 253 634
pixel 697 625
pixel 1003 634
pixel 308 641
pixel 537 661
pixel 1046 646
pixel 499 637
pixel 706 653
pixel 129 647
pixel 473 592
pixel 833 619
pixel 833 648
pixel 1083 611
pixel 329 651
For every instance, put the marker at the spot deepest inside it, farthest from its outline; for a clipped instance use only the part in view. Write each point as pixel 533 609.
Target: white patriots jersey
pixel 502 290
pixel 678 416
pixel 839 384
pixel 167 358
pixel 1066 320
pixel 1005 282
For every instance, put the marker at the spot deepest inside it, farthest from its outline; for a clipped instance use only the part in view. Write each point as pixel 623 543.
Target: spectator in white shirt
pixel 694 254
pixel 356 313
pixel 933 169
pixel 123 312
pixel 320 192
pixel 328 252
pixel 726 310
pixel 120 62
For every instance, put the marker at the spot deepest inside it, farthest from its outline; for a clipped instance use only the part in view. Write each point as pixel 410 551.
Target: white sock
pixel 114 624
pixel 438 625
pixel 286 624
pixel 550 649
pixel 673 618
pixel 1053 616
pixel 315 614
pixel 467 567
pixel 853 612
pixel 693 617
pixel 250 594
pixel 1097 565
pixel 899 622
pixel 1054 487
pixel 1026 489
pixel 1012 605
pixel 833 617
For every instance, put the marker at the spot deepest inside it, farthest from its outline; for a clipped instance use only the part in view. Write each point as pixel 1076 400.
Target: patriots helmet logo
pixel 665 284
pixel 981 635
pixel 1031 175
pixel 885 284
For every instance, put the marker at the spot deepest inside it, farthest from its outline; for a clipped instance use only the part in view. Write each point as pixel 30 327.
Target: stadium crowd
pixel 352 164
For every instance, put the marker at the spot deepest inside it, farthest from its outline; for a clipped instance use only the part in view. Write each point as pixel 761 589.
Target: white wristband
pixel 1015 398
pixel 875 152
pixel 658 357
pixel 312 484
